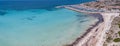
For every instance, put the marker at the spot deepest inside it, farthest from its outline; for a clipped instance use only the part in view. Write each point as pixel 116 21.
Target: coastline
pixel 94 36
pixel 100 20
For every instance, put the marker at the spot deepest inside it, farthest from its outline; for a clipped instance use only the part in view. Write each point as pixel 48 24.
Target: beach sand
pixel 95 36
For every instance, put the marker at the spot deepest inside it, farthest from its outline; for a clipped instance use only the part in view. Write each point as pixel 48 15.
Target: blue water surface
pixel 38 23
pixel 46 4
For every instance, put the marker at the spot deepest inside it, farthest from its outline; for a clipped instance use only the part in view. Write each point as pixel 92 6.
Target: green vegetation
pixel 116 4
pixel 119 33
pixel 119 25
pixel 109 39
pixel 116 40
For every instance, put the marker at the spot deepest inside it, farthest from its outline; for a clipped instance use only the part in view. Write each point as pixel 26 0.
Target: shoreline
pixel 100 20
pixel 94 36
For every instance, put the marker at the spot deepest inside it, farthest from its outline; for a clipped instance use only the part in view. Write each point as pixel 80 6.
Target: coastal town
pixel 106 32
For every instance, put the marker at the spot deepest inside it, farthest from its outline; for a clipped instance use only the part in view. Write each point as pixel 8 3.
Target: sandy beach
pixel 96 35
pixel 100 20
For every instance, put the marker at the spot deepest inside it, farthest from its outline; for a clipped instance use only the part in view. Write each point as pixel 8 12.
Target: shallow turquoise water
pixel 40 27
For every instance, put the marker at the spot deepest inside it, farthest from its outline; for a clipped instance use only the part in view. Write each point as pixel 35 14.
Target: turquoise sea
pixel 42 27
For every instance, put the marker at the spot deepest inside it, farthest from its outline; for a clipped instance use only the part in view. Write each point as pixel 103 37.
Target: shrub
pixel 108 39
pixel 116 40
pixel 119 25
pixel 119 33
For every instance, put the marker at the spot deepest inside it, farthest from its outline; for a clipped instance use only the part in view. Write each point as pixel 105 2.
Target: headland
pixel 97 34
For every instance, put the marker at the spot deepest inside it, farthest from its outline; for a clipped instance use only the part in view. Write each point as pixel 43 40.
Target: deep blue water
pixel 38 4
